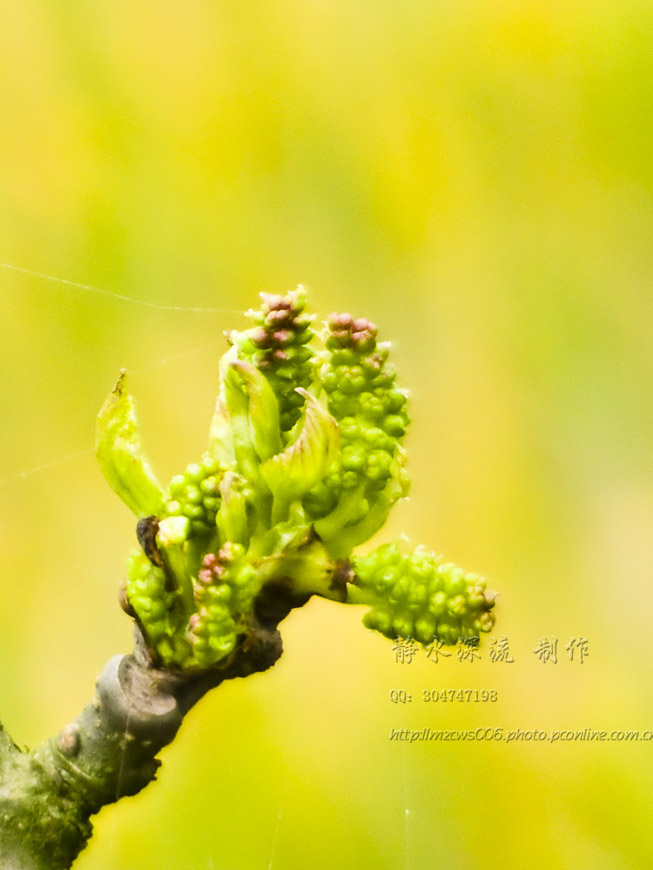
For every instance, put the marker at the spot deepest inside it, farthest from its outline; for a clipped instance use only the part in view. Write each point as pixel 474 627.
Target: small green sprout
pixel 303 464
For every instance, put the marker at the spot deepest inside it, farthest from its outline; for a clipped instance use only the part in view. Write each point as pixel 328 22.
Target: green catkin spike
pixel 370 410
pixel 369 476
pixel 195 494
pixel 224 592
pixel 153 604
pixel 419 596
pixel 278 346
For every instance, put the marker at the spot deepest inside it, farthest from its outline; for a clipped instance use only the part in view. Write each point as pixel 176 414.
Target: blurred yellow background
pixel 475 177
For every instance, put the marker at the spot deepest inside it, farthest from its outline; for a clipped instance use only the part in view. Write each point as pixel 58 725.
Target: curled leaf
pixel 263 410
pixel 236 398
pixel 303 464
pixel 121 457
pixel 221 445
pixel 232 518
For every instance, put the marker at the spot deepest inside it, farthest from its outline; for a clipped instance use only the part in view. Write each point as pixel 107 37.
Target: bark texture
pixel 48 795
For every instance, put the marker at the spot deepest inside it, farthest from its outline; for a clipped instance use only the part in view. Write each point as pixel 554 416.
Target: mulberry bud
pixel 287 489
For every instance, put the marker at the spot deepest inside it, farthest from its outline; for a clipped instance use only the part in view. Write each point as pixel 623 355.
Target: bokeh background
pixel 475 177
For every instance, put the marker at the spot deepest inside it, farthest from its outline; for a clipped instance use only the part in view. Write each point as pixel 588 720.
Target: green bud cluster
pixel 418 595
pixel 225 589
pixel 223 594
pixel 278 347
pixel 303 464
pixel 195 494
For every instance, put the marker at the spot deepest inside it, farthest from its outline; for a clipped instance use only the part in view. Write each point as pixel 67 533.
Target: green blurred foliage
pixel 475 178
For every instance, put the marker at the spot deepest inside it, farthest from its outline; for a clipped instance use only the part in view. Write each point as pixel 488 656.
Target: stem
pixel 48 795
pixel 351 506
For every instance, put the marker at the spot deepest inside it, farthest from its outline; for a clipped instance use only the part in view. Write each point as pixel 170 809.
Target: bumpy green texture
pixel 224 590
pixel 158 610
pixel 370 410
pixel 418 595
pixel 148 595
pixel 369 476
pixel 278 346
pixel 195 494
pixel 304 463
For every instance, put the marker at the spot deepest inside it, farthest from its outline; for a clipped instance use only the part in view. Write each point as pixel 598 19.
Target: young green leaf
pixel 263 410
pixel 121 457
pixel 221 442
pixel 303 464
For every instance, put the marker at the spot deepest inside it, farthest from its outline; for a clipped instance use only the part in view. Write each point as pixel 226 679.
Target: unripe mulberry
pixel 419 596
